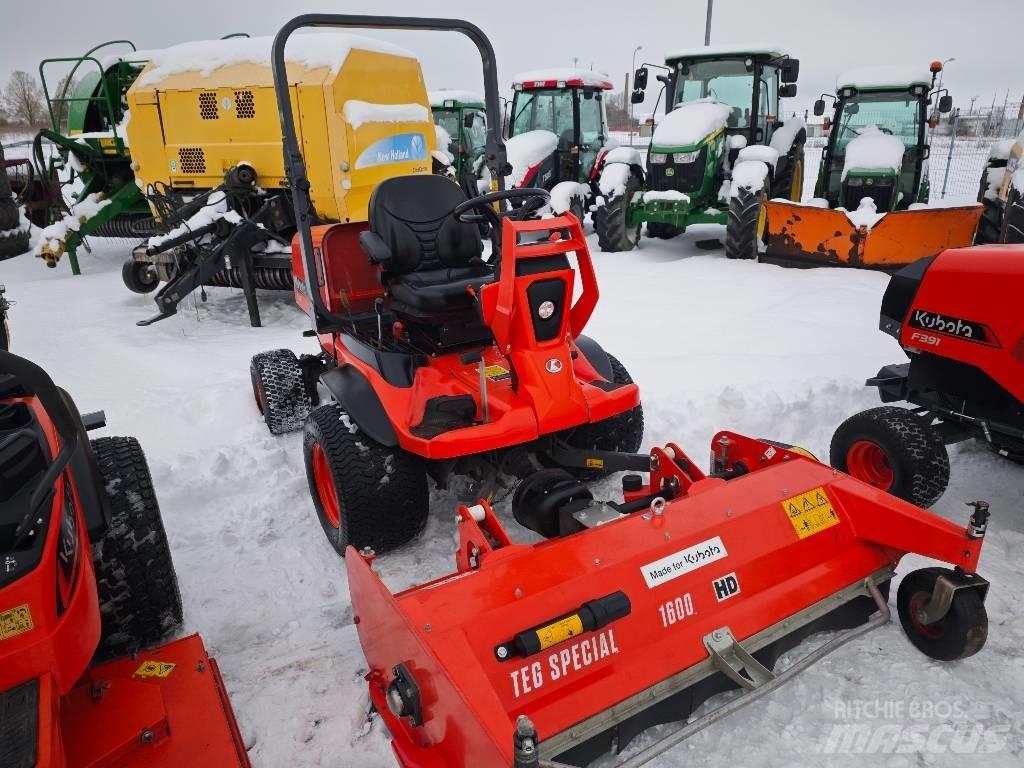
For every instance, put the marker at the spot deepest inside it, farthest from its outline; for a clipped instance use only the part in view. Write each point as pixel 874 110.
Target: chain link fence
pixel 961 145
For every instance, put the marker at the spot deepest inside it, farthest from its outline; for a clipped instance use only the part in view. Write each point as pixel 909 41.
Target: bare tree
pixel 24 99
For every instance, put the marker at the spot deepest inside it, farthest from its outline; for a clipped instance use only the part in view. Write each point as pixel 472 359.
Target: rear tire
pixel 279 389
pixel 1013 218
pixel 138 590
pixel 895 450
pixel 613 232
pixel 14 245
pixel 961 633
pixel 663 231
pixel 139 277
pixel 622 432
pixel 365 494
pixel 746 224
pixel 790 182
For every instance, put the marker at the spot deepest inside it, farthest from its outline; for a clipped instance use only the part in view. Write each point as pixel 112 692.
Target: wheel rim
pixel 933 631
pixel 867 461
pixel 325 486
pixel 258 392
pixel 796 191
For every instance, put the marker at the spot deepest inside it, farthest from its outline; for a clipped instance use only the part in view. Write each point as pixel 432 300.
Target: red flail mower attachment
pixel 636 612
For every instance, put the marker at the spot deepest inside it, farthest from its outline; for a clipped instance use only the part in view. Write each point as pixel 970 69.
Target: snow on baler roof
pixel 311 50
pixel 883 77
pixel 567 76
pixel 736 49
pixel 464 98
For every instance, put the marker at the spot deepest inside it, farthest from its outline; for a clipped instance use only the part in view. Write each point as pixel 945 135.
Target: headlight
pixel 855 181
pixel 657 157
pixel 685 157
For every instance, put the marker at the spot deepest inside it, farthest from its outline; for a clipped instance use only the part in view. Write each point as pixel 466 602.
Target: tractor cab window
pixel 729 81
pixel 768 94
pixel 549 110
pixel 449 120
pixel 591 119
pixel 897 115
pixel 475 135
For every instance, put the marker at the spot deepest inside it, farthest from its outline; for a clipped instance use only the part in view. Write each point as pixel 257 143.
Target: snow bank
pixel 563 193
pixel 312 50
pixel 52 237
pixel 562 74
pixel 866 215
pixel 668 196
pixel 613 180
pixel 359 113
pixel 626 155
pixel 690 122
pixel 216 208
pixel 749 175
pixel 439 97
pixel 760 152
pixel 783 137
pixel 873 150
pixel 882 77
pixel 527 150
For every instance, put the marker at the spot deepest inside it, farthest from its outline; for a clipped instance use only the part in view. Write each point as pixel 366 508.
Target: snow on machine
pixel 87 594
pixel 955 316
pixel 717 154
pixel 871 207
pixel 433 362
pixel 633 613
pixel 1001 192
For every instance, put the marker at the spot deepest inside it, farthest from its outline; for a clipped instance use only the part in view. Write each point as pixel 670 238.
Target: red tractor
pixel 952 314
pixel 434 361
pixel 87 589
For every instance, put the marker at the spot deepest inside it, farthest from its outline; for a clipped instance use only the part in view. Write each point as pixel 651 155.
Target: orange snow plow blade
pixel 824 237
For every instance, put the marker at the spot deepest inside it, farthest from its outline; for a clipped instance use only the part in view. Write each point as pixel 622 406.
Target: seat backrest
pixel 412 215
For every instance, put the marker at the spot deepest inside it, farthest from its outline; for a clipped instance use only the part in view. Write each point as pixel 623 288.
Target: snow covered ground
pixel 713 344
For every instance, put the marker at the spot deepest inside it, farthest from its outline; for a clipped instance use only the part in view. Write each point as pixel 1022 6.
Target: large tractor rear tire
pixel 1013 218
pixel 623 432
pixel 138 589
pixel 894 450
pixel 279 389
pixel 14 245
pixel 790 181
pixel 744 230
pixel 366 494
pixel 614 233
pixel 663 231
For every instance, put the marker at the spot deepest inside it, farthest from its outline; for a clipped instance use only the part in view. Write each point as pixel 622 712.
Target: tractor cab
pixel 460 115
pixel 750 80
pixel 567 105
pixel 878 141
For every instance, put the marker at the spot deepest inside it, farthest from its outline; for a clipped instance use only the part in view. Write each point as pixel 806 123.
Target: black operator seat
pixel 428 258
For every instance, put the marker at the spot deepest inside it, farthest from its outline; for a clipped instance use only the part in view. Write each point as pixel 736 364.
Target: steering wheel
pixel 533 198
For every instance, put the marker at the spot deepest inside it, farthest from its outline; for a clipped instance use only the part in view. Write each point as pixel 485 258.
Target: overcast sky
pixel 828 36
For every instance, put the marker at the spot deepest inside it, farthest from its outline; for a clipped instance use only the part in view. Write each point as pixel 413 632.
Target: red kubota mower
pixel 955 316
pixel 434 361
pixel 634 613
pixel 87 587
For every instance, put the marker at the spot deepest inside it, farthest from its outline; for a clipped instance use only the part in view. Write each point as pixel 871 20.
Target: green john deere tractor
pixel 91 159
pixel 461 117
pixel 720 149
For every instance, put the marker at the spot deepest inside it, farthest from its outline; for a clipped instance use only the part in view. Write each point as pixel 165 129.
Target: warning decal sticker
pixel 810 512
pixel 16 621
pixel 497 372
pixel 154 669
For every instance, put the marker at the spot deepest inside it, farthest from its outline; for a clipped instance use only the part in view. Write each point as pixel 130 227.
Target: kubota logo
pixel 967 330
pixel 554 365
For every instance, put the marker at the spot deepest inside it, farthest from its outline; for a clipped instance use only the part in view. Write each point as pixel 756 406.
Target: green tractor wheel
pixel 745 229
pixel 614 232
pixel 790 181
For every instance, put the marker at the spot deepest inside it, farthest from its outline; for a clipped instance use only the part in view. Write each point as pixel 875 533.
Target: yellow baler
pixel 205 127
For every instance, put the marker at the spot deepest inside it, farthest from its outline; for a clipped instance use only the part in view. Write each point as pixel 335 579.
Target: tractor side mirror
pixel 819 108
pixel 945 104
pixel 468 120
pixel 637 97
pixel 640 79
pixel 787 91
pixel 790 70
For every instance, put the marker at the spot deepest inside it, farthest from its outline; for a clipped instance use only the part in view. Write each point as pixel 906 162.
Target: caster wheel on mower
pixel 960 633
pixel 539 497
pixel 139 277
pixel 894 450
pixel 135 579
pixel 279 389
pixel 365 494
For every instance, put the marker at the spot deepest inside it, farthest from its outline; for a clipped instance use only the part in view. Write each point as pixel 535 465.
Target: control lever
pixel 378 307
pixel 468 358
